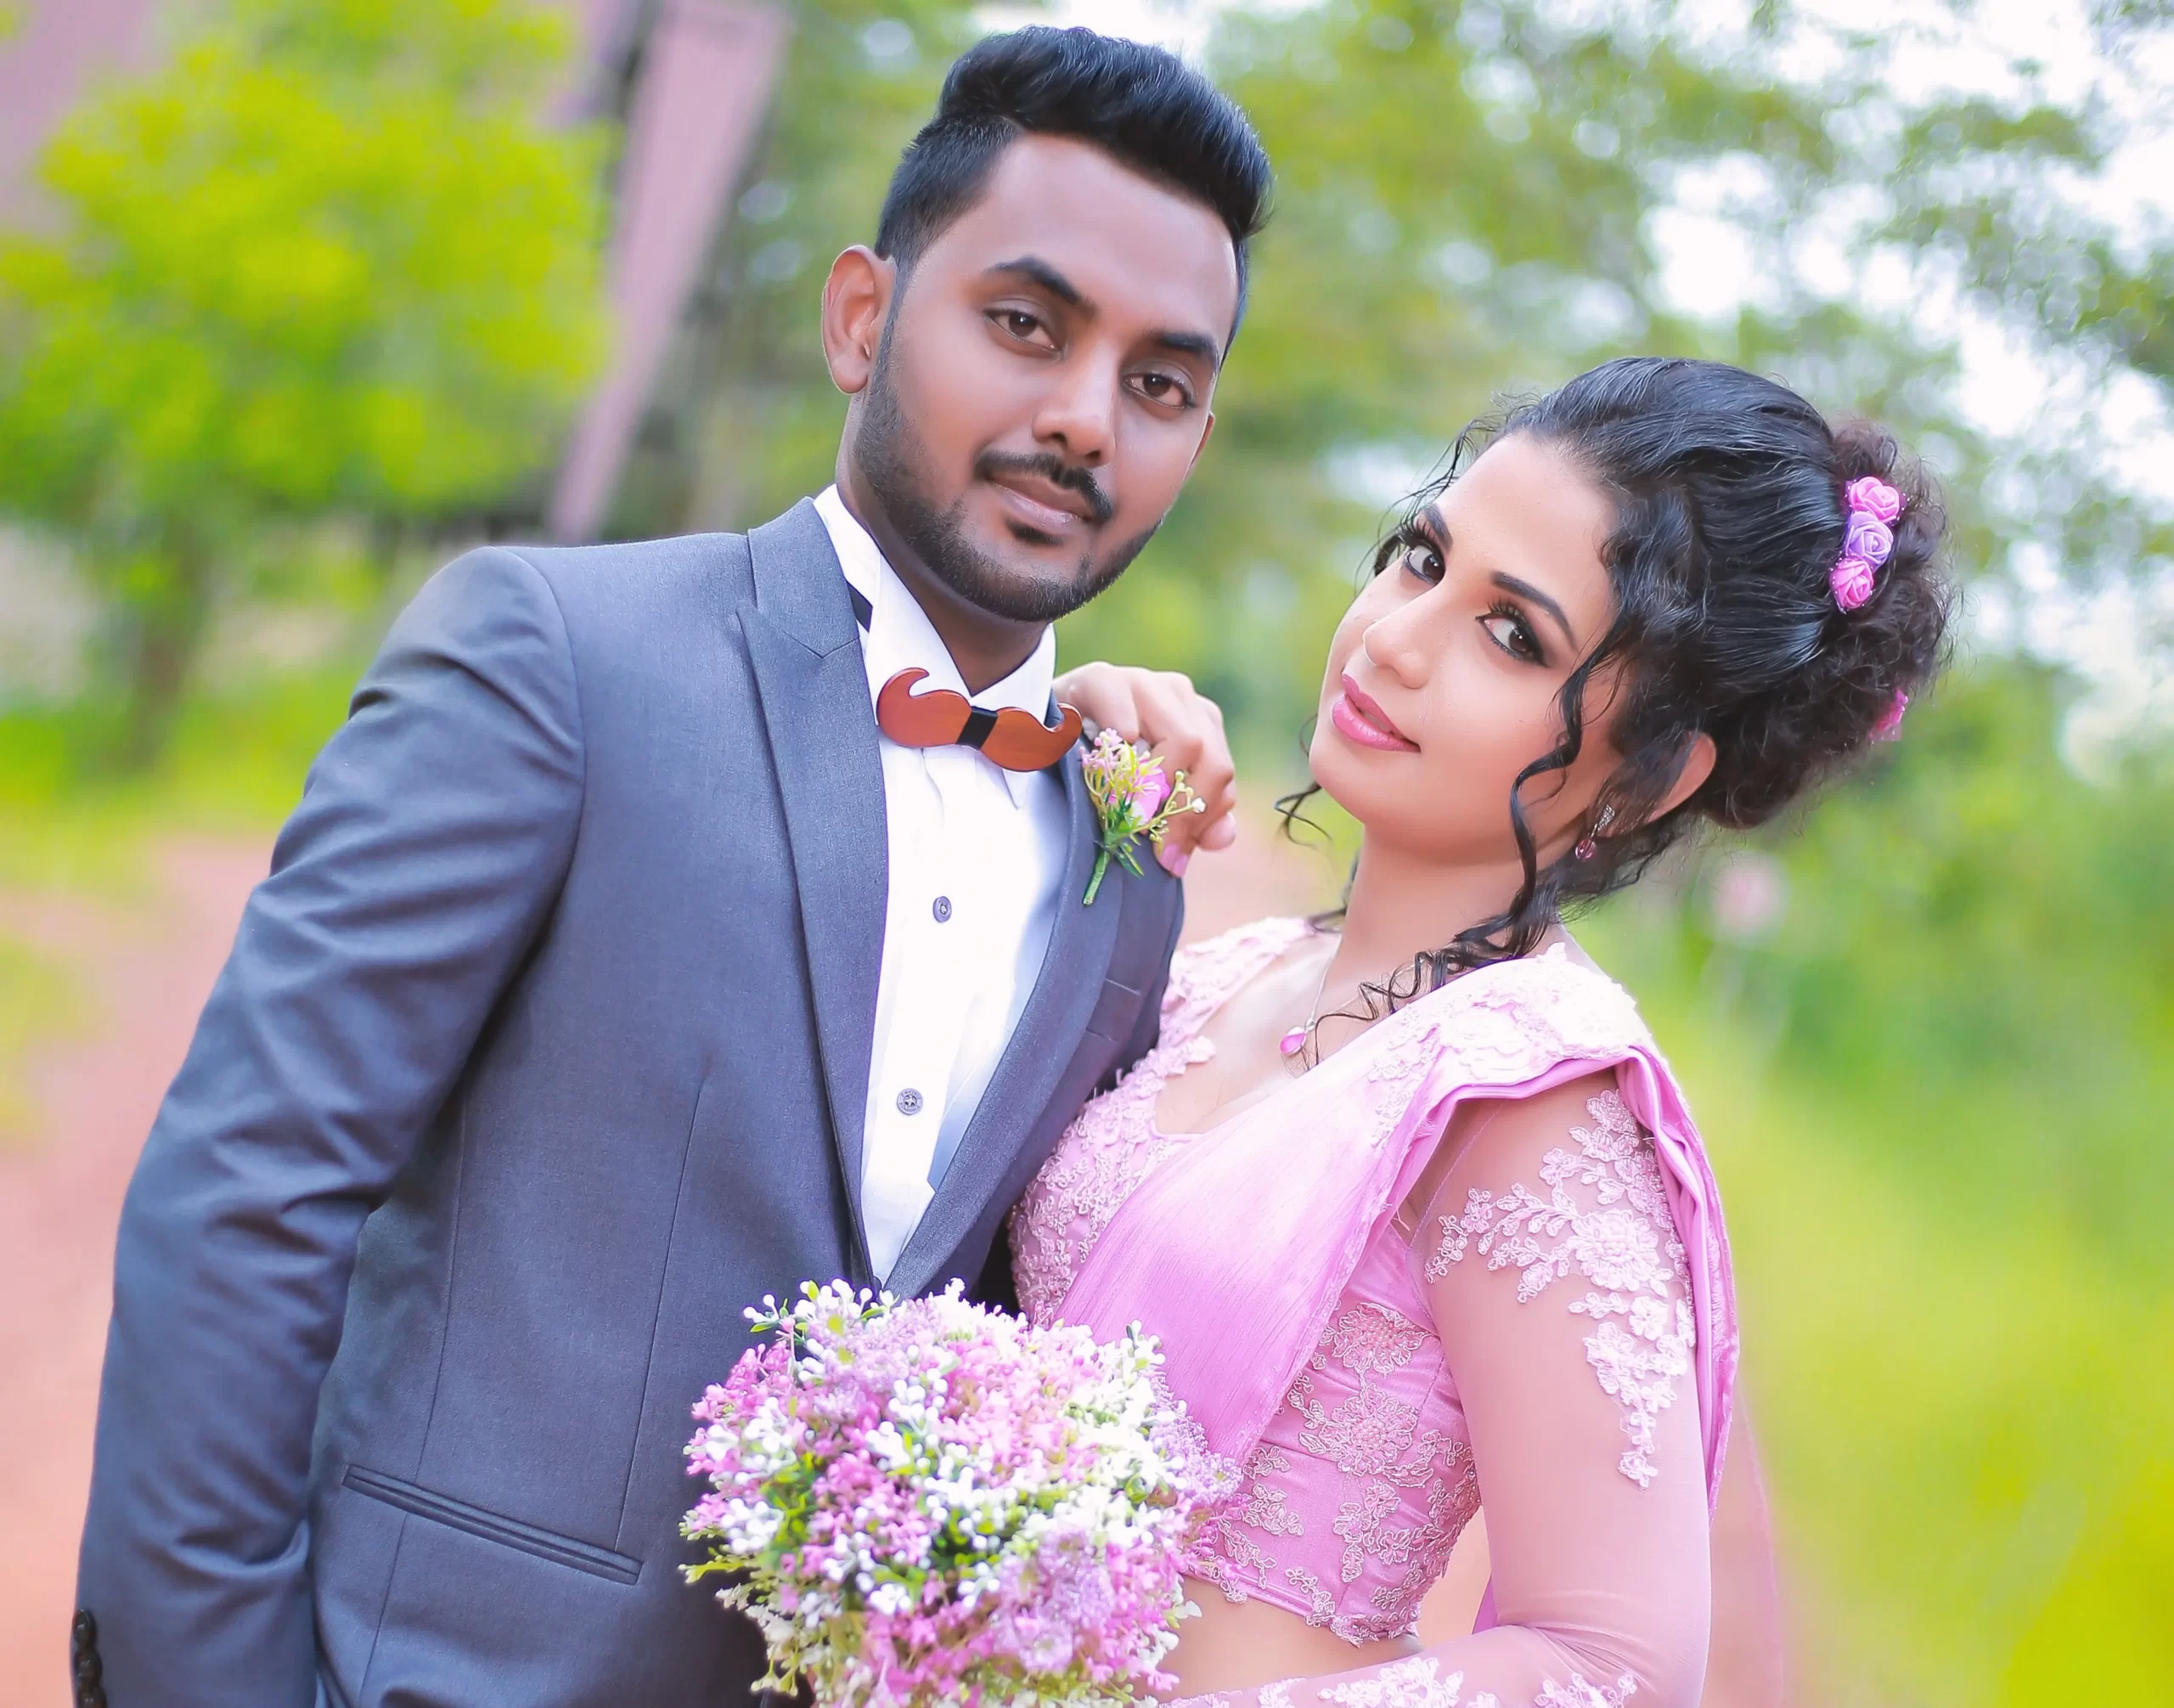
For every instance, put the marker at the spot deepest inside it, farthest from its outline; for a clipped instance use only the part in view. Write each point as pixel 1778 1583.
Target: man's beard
pixel 938 536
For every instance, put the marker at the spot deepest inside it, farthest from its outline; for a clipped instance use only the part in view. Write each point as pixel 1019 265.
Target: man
pixel 614 971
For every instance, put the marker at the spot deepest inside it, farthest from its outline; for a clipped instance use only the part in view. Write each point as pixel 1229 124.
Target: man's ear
pixel 856 300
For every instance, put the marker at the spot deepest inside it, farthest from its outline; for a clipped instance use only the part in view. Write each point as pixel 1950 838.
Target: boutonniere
pixel 1132 799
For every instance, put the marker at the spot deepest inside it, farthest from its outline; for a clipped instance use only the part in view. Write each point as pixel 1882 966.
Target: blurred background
pixel 300 297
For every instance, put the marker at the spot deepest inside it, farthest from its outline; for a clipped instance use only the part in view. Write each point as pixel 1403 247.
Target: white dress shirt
pixel 977 856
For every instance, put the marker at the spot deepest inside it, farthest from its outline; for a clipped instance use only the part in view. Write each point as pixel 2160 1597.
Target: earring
pixel 1587 846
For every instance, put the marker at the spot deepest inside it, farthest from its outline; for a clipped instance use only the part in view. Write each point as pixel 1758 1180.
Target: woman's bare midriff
pixel 1236 1645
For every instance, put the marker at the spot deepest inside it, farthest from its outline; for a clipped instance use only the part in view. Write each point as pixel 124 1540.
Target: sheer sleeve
pixel 1561 1292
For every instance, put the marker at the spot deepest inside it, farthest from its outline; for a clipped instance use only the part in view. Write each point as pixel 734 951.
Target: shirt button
pixel 910 1101
pixel 941 910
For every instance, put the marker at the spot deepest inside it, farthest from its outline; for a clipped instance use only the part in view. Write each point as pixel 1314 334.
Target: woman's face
pixel 1443 677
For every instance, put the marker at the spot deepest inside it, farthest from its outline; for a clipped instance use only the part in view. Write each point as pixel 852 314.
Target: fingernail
pixel 1178 865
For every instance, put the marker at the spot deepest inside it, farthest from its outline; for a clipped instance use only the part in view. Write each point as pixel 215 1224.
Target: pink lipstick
pixel 1359 719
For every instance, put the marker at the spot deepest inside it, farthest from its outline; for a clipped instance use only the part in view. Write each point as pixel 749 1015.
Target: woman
pixel 1414 1205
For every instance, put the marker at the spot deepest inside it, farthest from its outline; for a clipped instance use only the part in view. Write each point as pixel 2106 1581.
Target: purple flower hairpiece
pixel 1867 539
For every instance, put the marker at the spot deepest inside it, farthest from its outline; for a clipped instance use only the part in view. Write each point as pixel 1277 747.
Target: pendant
pixel 1293 1041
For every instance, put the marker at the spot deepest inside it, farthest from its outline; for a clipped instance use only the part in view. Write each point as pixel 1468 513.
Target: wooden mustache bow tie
pixel 1016 740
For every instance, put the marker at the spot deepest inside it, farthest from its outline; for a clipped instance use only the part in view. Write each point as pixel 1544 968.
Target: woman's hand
pixel 1176 721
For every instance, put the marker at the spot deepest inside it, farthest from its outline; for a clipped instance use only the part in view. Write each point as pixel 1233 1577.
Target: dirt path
pixel 146 968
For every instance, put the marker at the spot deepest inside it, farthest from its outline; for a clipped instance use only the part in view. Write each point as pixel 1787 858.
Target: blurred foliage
pixel 1936 1080
pixel 746 421
pixel 331 262
pixel 234 766
pixel 1978 943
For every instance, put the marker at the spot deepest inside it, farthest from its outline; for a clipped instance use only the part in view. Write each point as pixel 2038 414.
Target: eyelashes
pixel 1504 623
pixel 1520 642
pixel 1406 546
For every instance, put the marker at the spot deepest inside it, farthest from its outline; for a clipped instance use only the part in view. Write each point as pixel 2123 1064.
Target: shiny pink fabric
pixel 1252 1250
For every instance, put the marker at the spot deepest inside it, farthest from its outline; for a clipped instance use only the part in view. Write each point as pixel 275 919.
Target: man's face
pixel 1042 382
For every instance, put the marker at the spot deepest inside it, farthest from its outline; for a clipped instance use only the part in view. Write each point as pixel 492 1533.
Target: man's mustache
pixel 1053 470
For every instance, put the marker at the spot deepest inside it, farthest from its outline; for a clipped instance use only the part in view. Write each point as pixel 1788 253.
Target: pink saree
pixel 1238 1249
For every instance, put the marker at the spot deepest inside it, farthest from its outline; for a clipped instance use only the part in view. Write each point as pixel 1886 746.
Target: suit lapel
pixel 1041 1047
pixel 804 648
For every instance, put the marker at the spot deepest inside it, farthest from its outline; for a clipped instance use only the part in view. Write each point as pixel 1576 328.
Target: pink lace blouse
pixel 1340 1390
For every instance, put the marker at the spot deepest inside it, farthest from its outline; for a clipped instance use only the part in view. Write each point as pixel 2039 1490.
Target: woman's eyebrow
pixel 1525 590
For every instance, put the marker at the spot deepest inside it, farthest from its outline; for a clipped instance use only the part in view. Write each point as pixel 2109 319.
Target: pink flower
pixel 1868 537
pixel 1148 794
pixel 883 1575
pixel 1852 579
pixel 1889 725
pixel 1874 496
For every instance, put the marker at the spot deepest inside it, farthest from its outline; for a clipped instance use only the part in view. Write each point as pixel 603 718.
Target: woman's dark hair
pixel 1729 516
pixel 1143 106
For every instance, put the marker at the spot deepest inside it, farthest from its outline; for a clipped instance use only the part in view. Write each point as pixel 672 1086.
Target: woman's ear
pixel 856 299
pixel 1697 766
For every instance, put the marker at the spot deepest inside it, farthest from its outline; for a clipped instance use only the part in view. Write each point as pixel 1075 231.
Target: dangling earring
pixel 1588 848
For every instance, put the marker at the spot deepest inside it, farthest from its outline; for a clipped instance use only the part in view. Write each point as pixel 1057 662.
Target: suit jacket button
pixel 88 1670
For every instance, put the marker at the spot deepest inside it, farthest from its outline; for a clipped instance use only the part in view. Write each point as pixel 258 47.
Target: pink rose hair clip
pixel 1867 539
pixel 1868 542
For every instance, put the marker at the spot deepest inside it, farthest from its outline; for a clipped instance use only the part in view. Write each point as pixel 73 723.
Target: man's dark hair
pixel 1144 107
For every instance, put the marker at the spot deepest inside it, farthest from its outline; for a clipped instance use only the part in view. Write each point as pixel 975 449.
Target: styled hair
pixel 1729 517
pixel 1143 106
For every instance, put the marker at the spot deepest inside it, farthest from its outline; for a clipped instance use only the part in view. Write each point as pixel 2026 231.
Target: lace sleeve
pixel 1560 1292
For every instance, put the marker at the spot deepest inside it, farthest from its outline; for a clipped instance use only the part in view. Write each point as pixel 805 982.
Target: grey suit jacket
pixel 541 1054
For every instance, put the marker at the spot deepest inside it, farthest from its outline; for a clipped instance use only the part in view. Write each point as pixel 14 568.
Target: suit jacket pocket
pixel 549 1545
pixel 1117 1011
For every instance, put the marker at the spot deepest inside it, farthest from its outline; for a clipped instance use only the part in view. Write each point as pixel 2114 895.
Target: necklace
pixel 1298 1037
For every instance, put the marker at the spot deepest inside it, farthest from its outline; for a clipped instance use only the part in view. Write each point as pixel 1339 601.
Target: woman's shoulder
pixel 1508 1021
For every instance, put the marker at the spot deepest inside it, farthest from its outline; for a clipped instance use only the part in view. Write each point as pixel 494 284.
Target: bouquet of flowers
pixel 930 1501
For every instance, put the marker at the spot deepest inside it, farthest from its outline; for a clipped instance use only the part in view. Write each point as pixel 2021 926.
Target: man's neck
pixel 985 648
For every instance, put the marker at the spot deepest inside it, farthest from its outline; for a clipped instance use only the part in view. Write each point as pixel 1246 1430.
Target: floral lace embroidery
pixel 1362 1524
pixel 1375 1440
pixel 1323 1610
pixel 1419 1551
pixel 1224 1555
pixel 1417 1682
pixel 1371 1340
pixel 1626 1245
pixel 1579 1694
pixel 1070 1206
pixel 1267 1509
pixel 1113 1144
pixel 1372 1433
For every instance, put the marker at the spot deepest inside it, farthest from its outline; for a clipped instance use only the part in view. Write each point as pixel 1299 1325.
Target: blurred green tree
pixel 333 261
pixel 1470 194
pixel 746 420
